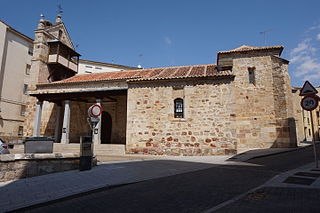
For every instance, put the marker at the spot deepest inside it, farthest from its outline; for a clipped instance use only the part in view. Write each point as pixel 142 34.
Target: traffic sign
pixel 94 111
pixel 309 103
pixel 308 89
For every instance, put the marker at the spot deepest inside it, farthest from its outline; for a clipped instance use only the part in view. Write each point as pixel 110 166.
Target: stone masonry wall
pixel 39 71
pixel 204 130
pixel 260 111
pixel 17 166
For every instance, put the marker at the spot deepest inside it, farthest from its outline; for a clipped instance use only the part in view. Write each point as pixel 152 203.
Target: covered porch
pixel 62 114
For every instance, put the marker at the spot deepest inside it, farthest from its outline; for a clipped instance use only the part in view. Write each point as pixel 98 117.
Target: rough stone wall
pixel 283 101
pixel 48 119
pixel 78 121
pixel 118 112
pixel 261 114
pixel 37 72
pixel 220 118
pixel 204 130
pixel 298 115
pixel 17 166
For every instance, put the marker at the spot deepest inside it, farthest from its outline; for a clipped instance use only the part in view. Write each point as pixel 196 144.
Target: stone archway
pixel 106 128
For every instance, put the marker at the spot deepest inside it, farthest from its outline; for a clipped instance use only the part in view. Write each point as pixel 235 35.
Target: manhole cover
pixel 299 180
pixel 257 196
pixel 308 174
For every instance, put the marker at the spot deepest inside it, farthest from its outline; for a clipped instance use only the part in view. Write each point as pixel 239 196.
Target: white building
pixel 15 62
pixel 86 67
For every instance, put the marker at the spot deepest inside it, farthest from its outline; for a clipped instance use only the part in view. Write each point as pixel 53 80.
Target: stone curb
pixel 276 153
pixel 281 152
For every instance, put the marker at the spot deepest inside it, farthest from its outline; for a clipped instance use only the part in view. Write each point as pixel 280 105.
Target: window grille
pixel 178 108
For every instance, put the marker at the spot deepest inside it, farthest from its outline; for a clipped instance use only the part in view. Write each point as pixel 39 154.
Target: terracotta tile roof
pixel 193 71
pixel 245 48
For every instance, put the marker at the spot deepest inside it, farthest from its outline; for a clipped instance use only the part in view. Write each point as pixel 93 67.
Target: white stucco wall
pixel 3 29
pixel 14 59
pixel 87 68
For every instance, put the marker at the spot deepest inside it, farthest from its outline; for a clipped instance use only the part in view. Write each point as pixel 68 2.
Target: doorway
pixel 106 128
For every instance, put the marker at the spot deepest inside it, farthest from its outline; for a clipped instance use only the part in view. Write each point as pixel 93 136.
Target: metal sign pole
pixel 313 141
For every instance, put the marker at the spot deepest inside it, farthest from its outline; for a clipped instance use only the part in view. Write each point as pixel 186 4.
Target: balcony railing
pixel 61 54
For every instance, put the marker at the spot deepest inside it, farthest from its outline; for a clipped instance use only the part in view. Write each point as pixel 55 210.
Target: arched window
pixel 178 108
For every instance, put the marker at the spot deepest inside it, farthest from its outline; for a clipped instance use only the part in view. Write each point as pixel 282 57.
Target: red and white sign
pixel 308 89
pixel 309 103
pixel 94 111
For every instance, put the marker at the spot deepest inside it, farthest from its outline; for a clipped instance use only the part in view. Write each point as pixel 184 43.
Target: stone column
pixel 96 137
pixel 66 123
pixel 58 126
pixel 37 119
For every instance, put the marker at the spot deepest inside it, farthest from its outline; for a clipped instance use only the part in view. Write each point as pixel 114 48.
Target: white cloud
pixel 302 46
pixel 167 40
pixel 316 27
pixel 308 66
pixel 306 59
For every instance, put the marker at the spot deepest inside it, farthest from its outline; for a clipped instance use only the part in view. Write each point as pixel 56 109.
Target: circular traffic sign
pixel 309 103
pixel 94 111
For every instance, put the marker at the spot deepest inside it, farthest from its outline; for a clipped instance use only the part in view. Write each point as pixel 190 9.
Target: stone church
pixel 242 102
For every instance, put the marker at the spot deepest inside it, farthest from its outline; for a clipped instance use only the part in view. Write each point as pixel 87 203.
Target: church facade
pixel 240 103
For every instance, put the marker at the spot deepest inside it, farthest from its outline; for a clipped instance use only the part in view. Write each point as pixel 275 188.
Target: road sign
pixel 309 103
pixel 94 111
pixel 308 89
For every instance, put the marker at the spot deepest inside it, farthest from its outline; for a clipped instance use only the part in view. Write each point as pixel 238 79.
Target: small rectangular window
pixel 88 66
pixel 98 68
pixel 30 50
pixel 28 67
pixel 20 131
pixel 25 89
pixel 23 110
pixel 251 75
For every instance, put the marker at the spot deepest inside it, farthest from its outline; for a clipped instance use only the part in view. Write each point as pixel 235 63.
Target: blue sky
pixel 180 32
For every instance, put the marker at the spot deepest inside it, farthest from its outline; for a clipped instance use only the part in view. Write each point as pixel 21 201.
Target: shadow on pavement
pixel 159 185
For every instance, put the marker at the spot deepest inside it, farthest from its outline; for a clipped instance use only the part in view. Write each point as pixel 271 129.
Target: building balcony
pixel 59 59
pixel 62 60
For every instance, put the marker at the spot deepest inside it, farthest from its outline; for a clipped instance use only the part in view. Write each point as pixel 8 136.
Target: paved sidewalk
pixel 30 191
pixel 35 190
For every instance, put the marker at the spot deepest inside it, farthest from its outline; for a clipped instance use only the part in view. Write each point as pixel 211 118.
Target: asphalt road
pixel 188 192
